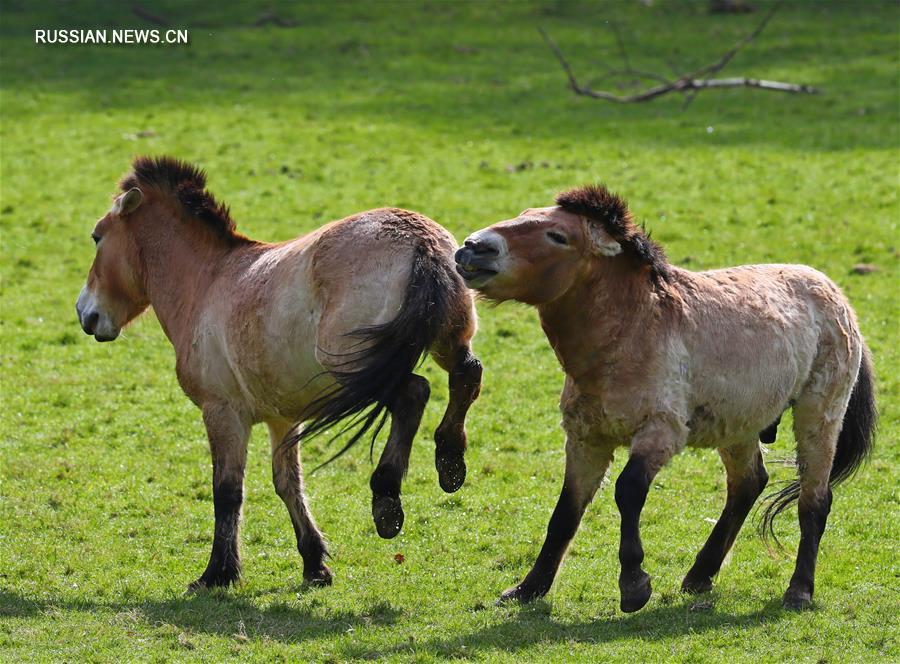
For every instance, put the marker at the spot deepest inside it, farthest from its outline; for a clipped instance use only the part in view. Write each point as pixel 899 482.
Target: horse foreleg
pixel 747 478
pixel 287 476
pixel 228 434
pixel 450 437
pixel 651 449
pixel 406 410
pixel 586 466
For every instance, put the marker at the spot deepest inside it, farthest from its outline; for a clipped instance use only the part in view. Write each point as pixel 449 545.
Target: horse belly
pixel 734 404
pixel 258 351
pixel 285 375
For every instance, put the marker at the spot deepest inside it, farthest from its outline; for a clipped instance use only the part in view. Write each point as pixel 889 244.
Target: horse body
pixel 288 295
pixel 298 335
pixel 658 358
pixel 779 328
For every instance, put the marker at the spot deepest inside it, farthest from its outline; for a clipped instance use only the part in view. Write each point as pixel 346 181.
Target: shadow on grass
pixel 217 613
pixel 531 625
pixel 230 615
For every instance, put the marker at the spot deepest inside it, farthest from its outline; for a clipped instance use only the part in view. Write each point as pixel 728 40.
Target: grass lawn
pixel 459 111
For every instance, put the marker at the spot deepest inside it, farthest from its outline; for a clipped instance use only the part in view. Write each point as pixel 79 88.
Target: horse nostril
pixel 482 248
pixel 461 254
pixel 90 322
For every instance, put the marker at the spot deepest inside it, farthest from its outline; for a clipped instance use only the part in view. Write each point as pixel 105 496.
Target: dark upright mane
pixel 187 183
pixel 602 206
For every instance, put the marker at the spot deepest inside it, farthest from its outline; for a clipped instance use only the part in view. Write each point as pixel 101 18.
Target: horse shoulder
pixel 620 398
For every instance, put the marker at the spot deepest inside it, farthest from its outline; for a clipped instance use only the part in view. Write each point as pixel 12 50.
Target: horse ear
pixel 128 202
pixel 602 243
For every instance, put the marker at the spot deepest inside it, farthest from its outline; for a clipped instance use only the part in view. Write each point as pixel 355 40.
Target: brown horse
pixel 313 330
pixel 657 358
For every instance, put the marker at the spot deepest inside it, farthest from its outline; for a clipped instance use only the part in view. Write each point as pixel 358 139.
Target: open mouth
pixel 470 272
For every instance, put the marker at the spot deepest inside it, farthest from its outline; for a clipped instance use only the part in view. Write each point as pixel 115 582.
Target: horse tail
pixel 388 353
pixel 854 444
pixel 858 429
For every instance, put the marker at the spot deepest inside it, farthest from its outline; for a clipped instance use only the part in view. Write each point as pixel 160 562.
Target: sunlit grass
pixel 457 110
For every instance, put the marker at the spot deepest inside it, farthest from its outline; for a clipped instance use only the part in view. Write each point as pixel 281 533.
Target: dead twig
pixel 636 74
pixel 727 57
pixel 691 83
pixel 273 19
pixel 140 12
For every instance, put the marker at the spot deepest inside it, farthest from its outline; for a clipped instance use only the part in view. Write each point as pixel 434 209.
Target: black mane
pixel 602 206
pixel 188 184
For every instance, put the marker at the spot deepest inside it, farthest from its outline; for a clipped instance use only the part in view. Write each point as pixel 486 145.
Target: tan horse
pixel 313 330
pixel 658 358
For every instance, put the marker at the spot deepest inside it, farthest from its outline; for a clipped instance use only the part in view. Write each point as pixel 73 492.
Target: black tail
pixel 387 355
pixel 853 446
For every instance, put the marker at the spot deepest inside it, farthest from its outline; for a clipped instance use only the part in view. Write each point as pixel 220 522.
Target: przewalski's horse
pixel 313 330
pixel 657 358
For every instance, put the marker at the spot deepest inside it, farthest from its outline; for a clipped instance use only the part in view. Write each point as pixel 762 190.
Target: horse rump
pixel 368 378
pixel 854 445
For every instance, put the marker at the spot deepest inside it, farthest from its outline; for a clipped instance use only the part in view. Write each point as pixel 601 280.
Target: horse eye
pixel 95 238
pixel 559 238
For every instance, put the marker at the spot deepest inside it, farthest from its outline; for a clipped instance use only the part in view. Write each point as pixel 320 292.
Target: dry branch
pixel 691 83
pixel 140 12
pixel 274 19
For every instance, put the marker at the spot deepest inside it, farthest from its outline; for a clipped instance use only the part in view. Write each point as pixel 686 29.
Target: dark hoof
pixel 797 600
pixel 320 578
pixel 388 515
pixel 696 585
pixel 522 594
pixel 635 593
pixel 219 579
pixel 451 472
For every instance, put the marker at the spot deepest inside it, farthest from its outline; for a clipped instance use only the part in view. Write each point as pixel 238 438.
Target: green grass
pixel 105 488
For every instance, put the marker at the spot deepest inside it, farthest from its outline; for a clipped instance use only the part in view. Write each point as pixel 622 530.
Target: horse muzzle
pixel 478 260
pixel 93 320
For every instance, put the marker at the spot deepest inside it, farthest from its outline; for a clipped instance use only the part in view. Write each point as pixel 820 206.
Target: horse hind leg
pixel 406 410
pixel 287 476
pixel 465 371
pixel 816 445
pixel 747 478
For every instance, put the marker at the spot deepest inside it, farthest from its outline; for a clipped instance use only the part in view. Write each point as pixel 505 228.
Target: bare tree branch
pixel 691 84
pixel 274 19
pixel 140 12
pixel 624 51
pixel 725 59
pixel 636 74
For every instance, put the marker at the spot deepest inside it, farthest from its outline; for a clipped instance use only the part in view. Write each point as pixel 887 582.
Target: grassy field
pixel 457 110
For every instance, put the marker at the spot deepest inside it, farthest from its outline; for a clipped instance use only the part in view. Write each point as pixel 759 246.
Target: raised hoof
pixel 797 600
pixel 208 580
pixel 320 578
pixel 696 585
pixel 635 593
pixel 451 472
pixel 387 513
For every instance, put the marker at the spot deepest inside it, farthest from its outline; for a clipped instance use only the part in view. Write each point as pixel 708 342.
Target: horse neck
pixel 604 317
pixel 180 260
